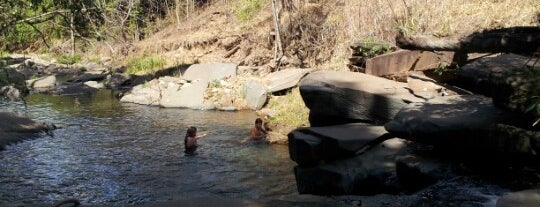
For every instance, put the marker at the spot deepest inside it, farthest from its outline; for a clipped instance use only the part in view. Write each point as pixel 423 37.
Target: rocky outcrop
pixel 14 128
pixel 344 97
pixel 464 123
pixel 446 132
pixel 210 71
pixel 310 145
pixel 369 174
pixel 284 79
pixel 511 80
pixel 187 95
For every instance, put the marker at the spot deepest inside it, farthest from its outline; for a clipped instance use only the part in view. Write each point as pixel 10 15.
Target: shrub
pixel 69 59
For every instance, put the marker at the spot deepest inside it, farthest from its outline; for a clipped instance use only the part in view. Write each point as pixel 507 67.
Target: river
pixel 112 153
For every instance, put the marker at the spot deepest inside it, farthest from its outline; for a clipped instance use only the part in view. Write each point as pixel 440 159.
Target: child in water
pixel 257 132
pixel 190 141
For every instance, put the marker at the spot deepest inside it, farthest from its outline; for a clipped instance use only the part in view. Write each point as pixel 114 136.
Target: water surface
pixel 112 153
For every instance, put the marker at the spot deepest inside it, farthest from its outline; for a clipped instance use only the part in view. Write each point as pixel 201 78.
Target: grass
pixel 246 9
pixel 290 110
pixel 145 65
pixel 69 59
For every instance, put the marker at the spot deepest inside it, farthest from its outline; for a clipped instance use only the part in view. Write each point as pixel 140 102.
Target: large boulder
pixel 310 145
pixel 188 95
pixel 371 173
pixel 145 94
pixel 343 97
pixel 14 128
pixel 510 79
pixel 45 82
pixel 210 71
pixel 256 94
pixel 115 80
pixel 469 122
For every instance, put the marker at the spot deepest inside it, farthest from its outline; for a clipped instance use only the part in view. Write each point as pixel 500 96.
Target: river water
pixel 111 153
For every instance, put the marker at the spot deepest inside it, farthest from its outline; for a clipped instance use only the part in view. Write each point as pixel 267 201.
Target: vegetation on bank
pixel 149 35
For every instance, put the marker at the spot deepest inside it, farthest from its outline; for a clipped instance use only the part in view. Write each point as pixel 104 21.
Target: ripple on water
pixel 118 154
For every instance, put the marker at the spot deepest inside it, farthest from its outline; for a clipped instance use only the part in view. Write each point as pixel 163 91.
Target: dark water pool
pixel 112 153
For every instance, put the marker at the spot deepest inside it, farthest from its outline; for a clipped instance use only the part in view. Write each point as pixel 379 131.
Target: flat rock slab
pixel 407 60
pixel 469 122
pixel 210 71
pixel 308 146
pixel 339 97
pixel 284 79
pixel 509 79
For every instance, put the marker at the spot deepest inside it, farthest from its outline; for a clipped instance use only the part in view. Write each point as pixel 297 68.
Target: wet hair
pixel 258 121
pixel 191 131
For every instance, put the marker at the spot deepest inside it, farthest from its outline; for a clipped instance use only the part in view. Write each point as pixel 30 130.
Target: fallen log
pixel 520 40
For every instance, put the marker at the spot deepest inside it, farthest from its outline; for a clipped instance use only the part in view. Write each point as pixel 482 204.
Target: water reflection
pixel 112 153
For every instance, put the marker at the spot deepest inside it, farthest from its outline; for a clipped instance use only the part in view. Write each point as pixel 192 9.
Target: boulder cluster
pixel 370 135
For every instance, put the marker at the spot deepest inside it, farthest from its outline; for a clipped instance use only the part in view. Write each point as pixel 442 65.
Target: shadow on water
pixel 115 154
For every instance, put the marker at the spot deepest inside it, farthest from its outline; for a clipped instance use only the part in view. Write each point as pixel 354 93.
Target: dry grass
pixel 318 34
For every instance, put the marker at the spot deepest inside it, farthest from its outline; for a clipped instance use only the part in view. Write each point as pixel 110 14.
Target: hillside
pixel 315 34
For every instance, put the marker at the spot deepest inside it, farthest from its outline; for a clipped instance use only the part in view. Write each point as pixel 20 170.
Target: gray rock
pixel 371 173
pixel 46 82
pixel 506 79
pixel 340 97
pixel 14 128
pixel 415 173
pixel 210 71
pixel 94 84
pixel 188 95
pixel 284 79
pixel 256 94
pixel 115 80
pixel 308 146
pixel 146 94
pixel 468 122
pixel 73 89
pixel 305 149
pixel 11 93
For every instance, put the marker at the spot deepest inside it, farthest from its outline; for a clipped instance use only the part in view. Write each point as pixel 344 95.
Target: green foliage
pixel 290 110
pixel 3 53
pixel 145 65
pixel 247 8
pixel 22 35
pixel 214 84
pixel 69 59
pixel 442 69
pixel 533 95
pixel 373 48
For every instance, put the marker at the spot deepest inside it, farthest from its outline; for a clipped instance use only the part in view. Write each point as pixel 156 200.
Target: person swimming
pixel 190 141
pixel 257 132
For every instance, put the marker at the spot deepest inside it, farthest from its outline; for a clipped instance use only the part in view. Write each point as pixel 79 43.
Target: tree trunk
pixel 278 50
pixel 72 30
pixel 521 40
